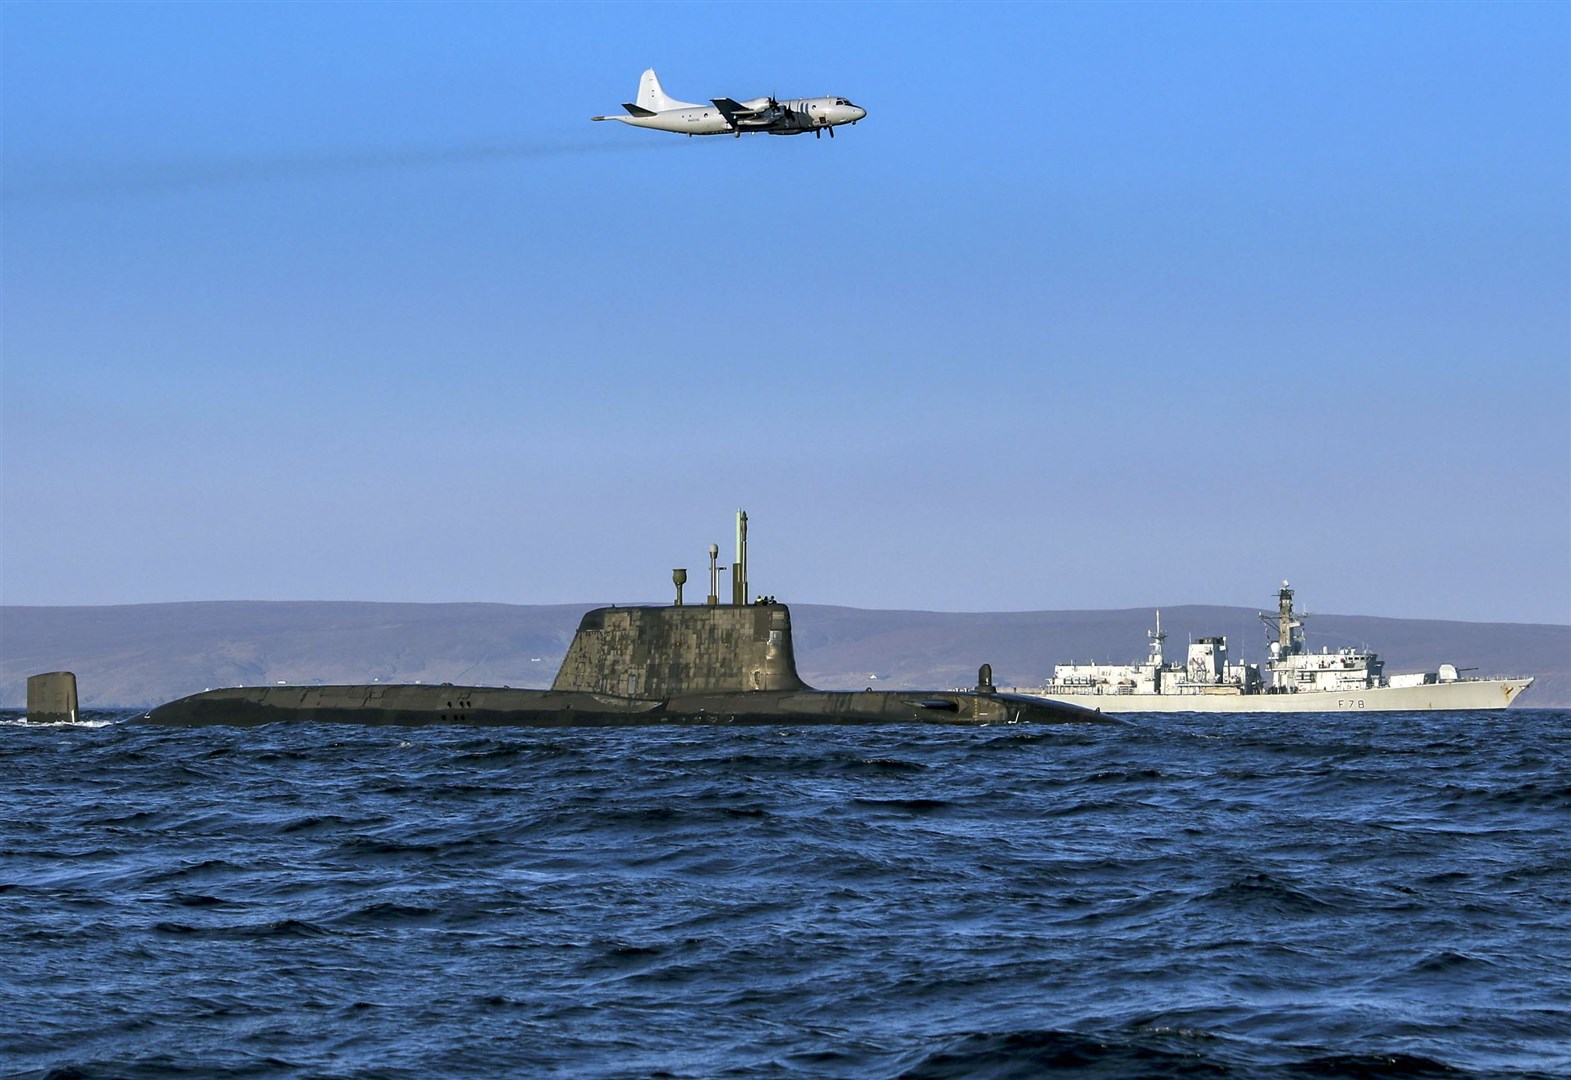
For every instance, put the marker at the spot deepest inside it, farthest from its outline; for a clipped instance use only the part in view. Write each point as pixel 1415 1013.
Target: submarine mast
pixel 739 564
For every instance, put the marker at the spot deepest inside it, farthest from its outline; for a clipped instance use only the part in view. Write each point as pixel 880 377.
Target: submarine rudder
pixel 51 698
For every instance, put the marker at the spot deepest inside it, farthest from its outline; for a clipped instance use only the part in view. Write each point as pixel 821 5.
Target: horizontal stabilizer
pixel 637 110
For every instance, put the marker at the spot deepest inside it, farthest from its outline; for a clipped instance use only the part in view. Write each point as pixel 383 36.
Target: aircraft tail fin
pixel 653 97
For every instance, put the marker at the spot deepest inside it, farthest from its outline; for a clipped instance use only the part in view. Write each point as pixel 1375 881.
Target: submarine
pixel 641 665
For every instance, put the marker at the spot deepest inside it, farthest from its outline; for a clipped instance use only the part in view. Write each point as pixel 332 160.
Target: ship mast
pixel 1289 630
pixel 1157 637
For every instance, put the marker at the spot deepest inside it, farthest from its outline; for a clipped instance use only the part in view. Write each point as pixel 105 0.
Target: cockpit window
pixel 841 101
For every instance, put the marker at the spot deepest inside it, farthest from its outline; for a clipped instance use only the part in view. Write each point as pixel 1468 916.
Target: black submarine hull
pixel 505 707
pixel 636 667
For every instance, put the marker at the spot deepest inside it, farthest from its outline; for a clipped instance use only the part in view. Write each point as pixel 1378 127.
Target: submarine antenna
pixel 679 578
pixel 714 575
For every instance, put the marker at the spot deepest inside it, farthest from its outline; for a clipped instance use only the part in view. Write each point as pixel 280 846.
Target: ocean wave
pixel 1381 899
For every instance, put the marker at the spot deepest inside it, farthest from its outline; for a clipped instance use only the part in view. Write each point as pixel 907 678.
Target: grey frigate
pixel 1293 679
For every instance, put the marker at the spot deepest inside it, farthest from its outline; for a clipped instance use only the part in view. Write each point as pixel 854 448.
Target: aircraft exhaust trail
pixel 158 177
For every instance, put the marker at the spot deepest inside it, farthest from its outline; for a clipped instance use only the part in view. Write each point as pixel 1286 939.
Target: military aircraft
pixel 723 116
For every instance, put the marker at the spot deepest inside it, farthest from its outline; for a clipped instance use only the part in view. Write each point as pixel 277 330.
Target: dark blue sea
pixel 1229 896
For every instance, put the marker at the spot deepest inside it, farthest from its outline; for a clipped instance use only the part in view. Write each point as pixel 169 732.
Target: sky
pixel 1102 305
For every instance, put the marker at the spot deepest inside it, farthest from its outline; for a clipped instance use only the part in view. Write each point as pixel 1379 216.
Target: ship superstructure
pixel 1205 670
pixel 1293 679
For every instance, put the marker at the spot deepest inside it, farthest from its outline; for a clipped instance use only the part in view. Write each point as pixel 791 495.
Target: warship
pixel 669 664
pixel 1294 679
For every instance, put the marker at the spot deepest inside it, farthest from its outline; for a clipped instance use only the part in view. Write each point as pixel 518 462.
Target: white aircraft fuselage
pixel 723 116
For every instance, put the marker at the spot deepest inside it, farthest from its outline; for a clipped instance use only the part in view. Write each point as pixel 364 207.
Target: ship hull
pixel 505 707
pixel 1470 695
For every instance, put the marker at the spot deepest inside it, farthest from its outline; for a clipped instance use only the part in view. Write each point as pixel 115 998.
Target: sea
pixel 1296 895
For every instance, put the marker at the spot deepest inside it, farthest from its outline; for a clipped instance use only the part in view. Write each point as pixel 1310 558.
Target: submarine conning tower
pixel 663 652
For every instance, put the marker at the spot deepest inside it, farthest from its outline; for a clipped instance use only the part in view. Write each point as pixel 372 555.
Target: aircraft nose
pixel 857 112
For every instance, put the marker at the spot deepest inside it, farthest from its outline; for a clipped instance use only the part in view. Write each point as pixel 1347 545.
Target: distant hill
pixel 142 654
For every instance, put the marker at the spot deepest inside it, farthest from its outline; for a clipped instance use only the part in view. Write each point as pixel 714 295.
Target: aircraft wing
pixel 730 109
pixel 738 115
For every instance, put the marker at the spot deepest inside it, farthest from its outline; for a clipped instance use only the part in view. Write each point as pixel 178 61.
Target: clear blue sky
pixel 1103 305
